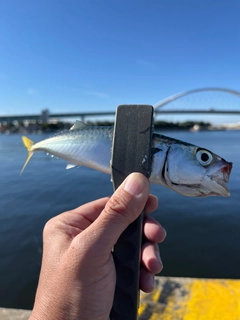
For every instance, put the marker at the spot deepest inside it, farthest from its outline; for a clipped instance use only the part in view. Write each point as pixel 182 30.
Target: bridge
pixel 160 109
pixel 84 115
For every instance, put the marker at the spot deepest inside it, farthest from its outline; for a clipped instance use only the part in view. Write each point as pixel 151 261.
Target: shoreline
pixel 52 128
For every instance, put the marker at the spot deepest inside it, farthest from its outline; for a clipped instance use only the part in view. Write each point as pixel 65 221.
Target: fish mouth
pixel 226 170
pixel 222 178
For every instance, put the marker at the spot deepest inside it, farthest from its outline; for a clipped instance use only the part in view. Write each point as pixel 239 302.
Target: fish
pixel 180 166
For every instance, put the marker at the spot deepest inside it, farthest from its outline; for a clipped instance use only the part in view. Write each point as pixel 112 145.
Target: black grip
pixel 132 152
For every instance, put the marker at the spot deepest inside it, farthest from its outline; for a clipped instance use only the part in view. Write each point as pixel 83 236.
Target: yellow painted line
pixel 214 299
pixel 154 296
pixel 142 308
pixel 192 299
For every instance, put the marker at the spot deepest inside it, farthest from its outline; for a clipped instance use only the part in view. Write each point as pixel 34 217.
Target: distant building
pixel 44 116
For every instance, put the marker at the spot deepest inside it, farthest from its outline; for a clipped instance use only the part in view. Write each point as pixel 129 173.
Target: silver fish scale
pixel 175 163
pixel 89 147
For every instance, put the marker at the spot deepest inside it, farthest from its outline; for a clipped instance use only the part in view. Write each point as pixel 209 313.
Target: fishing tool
pixel 132 152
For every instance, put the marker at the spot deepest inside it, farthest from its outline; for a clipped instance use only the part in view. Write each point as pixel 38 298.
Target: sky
pixel 72 55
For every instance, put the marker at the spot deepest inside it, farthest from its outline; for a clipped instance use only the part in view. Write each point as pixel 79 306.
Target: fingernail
pixel 134 184
pixel 151 280
pixel 165 233
pixel 158 257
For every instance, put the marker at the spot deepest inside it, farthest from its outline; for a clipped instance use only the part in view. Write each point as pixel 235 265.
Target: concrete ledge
pixel 191 299
pixel 178 299
pixel 14 314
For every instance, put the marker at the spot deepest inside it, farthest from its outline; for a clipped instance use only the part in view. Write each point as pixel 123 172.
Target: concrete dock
pixel 178 299
pixel 191 299
pixel 14 314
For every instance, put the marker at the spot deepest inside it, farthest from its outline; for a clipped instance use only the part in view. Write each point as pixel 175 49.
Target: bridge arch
pixel 176 96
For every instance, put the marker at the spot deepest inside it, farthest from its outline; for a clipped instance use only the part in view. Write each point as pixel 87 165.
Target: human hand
pixel 77 279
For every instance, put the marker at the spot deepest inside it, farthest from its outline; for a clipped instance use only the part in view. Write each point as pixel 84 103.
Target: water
pixel 203 234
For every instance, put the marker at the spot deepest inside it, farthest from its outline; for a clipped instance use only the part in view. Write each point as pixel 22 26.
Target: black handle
pixel 132 152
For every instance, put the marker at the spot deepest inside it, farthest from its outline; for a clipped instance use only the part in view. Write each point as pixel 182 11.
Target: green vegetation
pixel 56 126
pixel 163 125
pixel 186 125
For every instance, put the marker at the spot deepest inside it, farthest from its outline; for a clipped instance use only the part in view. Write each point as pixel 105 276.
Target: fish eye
pixel 204 157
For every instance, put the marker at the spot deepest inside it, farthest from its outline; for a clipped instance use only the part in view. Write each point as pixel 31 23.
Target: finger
pixel 84 215
pixel 146 280
pixel 151 205
pixel 153 231
pixel 123 207
pixel 64 227
pixel 151 259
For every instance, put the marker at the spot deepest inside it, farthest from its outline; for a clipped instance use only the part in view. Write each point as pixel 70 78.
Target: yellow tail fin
pixel 28 144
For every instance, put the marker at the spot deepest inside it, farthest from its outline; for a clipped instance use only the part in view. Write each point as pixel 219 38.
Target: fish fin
pixel 28 144
pixel 70 166
pixel 78 125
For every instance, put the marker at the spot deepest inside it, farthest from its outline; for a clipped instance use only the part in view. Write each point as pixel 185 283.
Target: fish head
pixel 198 172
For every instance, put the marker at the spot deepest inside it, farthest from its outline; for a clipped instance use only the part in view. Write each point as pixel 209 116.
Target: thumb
pixel 125 205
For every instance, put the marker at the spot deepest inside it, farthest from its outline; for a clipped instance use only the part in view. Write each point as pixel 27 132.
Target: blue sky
pixel 94 55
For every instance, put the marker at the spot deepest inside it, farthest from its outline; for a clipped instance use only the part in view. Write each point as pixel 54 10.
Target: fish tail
pixel 28 144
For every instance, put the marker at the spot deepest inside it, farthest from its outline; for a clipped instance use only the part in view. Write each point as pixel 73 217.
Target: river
pixel 203 233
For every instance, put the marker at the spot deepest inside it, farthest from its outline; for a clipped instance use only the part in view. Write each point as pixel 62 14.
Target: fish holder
pixel 132 152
